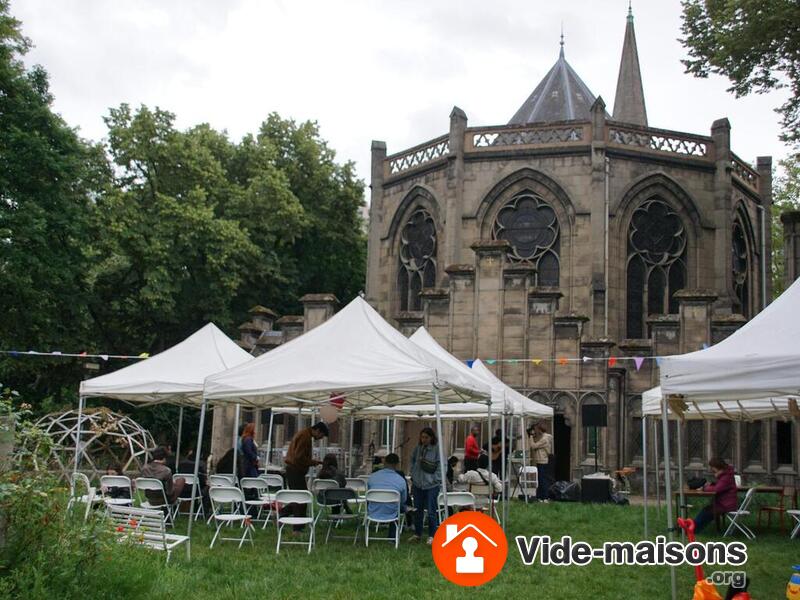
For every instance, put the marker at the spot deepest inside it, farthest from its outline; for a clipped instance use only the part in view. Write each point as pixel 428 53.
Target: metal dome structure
pixel 106 437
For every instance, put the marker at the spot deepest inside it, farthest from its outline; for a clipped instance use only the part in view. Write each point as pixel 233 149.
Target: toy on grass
pixel 793 587
pixel 703 589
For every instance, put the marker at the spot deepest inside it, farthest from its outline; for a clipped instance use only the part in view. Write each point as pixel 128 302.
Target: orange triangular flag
pixel 562 361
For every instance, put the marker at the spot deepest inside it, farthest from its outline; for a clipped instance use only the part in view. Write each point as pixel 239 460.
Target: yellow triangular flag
pixel 537 361
pixel 144 355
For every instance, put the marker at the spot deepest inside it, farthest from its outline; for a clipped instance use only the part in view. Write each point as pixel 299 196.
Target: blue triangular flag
pixel 470 363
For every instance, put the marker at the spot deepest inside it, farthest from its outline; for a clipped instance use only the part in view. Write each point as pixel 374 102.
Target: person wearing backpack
pixel 426 482
pixel 482 475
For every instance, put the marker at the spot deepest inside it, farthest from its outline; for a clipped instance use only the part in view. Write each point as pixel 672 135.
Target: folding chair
pixel 460 500
pixel 736 517
pixel 232 499
pixel 108 482
pixel 148 484
pixel 359 486
pixel 795 514
pixel 284 497
pixel 90 498
pixel 274 483
pixel 388 497
pixel 260 487
pixel 186 496
pixel 318 485
pixel 484 498
pixel 338 497
pixel 528 482
pixel 223 480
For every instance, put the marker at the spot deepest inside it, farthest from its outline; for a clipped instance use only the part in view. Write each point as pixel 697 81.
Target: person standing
pixel 472 449
pixel 249 452
pixel 426 481
pixel 542 450
pixel 298 460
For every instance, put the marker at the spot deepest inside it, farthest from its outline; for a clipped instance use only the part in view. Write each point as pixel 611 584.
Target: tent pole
pixel 644 479
pixel 78 435
pixel 655 462
pixel 178 445
pixel 394 434
pixel 350 444
pixel 196 485
pixel 269 439
pixel 680 472
pixel 442 464
pixel 503 465
pixel 236 441
pixel 668 491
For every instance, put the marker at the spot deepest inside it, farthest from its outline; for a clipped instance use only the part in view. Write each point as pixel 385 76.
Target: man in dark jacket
pixel 299 459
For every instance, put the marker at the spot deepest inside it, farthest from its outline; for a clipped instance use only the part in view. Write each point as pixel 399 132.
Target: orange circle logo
pixel 469 548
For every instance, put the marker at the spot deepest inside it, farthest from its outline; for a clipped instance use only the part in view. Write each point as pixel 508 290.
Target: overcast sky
pixel 367 70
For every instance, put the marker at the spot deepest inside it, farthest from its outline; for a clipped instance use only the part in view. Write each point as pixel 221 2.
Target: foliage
pixel 785 196
pixel 755 43
pixel 46 550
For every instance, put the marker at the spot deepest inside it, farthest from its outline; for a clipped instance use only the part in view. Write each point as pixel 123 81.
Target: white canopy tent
pixel 357 356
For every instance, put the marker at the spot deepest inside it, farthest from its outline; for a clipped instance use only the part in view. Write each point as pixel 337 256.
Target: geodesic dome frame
pixel 106 437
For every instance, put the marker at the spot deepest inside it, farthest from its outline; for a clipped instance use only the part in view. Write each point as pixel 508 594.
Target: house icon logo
pixel 470 548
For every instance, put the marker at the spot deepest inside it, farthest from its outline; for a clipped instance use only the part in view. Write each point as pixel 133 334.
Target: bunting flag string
pixel 611 361
pixel 57 354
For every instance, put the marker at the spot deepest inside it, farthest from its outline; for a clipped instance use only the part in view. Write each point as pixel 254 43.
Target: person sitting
pixel 330 470
pixel 115 492
pixel 725 494
pixel 157 469
pixel 452 463
pixel 388 479
pixel 482 475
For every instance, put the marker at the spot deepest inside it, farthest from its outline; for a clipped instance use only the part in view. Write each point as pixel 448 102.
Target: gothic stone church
pixel 573 231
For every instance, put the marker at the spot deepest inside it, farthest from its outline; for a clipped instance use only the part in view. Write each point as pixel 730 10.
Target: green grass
pixel 341 570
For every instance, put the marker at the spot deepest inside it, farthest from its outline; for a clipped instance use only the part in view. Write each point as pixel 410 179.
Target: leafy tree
pixel 47 175
pixel 755 43
pixel 785 196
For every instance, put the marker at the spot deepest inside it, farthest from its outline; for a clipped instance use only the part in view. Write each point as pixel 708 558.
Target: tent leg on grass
pixel 680 474
pixel 442 463
pixel 196 478
pixel 350 447
pixel 78 434
pixel 503 465
pixel 668 493
pixel 655 462
pixel 269 438
pixel 644 478
pixel 178 444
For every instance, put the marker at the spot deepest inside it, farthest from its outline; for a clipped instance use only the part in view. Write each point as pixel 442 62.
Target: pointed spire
pixel 561 52
pixel 629 106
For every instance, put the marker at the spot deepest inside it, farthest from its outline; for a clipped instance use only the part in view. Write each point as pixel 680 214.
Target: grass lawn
pixel 341 570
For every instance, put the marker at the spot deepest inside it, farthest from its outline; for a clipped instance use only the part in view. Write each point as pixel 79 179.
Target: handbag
pixel 428 466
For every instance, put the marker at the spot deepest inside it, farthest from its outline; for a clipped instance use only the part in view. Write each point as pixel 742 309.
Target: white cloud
pixel 366 69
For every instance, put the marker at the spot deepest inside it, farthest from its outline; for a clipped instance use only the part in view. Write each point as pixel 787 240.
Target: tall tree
pixel 755 43
pixel 785 196
pixel 47 175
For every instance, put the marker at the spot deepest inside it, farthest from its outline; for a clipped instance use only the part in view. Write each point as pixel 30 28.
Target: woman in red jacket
pixel 725 494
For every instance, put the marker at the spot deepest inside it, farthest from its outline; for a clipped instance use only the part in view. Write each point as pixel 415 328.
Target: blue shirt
pixel 386 479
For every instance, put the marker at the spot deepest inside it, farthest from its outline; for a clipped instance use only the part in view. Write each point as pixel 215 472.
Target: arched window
pixel 740 265
pixel 417 268
pixel 656 263
pixel 530 225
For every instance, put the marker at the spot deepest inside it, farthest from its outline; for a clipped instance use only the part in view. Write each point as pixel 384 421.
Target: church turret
pixel 629 101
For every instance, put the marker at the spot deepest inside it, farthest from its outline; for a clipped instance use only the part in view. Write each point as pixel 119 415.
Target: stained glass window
pixel 656 264
pixel 530 225
pixel 417 268
pixel 740 265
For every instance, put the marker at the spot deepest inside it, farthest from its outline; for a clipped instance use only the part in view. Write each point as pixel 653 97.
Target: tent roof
pixel 735 410
pixel 521 405
pixel 760 360
pixel 175 375
pixel 355 353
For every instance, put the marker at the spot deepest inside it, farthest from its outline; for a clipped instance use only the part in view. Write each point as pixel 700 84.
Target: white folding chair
pixel 149 484
pixel 259 488
pixel 121 482
pixel 187 496
pixel 738 480
pixel 338 498
pixel 795 514
pixel 223 480
pixel 484 498
pixel 82 492
pixel 458 500
pixel 389 498
pixel 736 517
pixel 359 486
pixel 274 483
pixel 227 506
pixel 317 486
pixel 528 482
pixel 284 497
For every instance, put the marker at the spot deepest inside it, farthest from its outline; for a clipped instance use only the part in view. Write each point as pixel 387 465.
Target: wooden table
pixel 760 489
